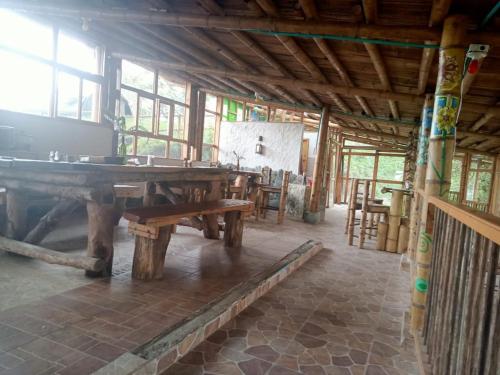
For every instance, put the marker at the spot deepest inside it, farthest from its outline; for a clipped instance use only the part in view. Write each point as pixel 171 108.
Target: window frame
pixel 158 100
pixel 58 67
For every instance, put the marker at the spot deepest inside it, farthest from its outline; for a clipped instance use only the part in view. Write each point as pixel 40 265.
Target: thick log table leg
pixel 233 231
pixel 17 215
pixel 102 219
pixel 149 255
pixel 210 224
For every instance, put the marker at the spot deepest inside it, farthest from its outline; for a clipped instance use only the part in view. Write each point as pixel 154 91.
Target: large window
pixel 155 113
pixel 211 128
pixel 36 79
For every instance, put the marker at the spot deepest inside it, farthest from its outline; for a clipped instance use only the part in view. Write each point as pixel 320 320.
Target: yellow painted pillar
pixel 442 141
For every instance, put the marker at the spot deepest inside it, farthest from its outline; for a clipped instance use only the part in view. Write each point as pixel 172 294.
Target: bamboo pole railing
pixel 461 330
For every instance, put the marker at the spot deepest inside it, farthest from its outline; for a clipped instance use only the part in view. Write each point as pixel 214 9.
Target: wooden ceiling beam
pixel 134 34
pixel 383 32
pixel 483 120
pixel 371 14
pixel 439 11
pixel 292 82
pixel 301 56
pixel 310 11
pixel 425 68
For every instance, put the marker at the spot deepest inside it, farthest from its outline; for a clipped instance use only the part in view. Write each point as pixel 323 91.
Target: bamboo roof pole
pixel 243 23
pixel 441 148
pixel 371 14
pixel 439 11
pixel 309 8
pixel 313 215
pixel 483 120
pixel 301 56
pixel 187 49
pixel 212 7
pixel 199 79
pixel 229 55
pixel 289 82
pixel 134 34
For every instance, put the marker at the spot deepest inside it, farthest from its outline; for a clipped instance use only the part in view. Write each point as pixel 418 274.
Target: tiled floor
pixel 339 314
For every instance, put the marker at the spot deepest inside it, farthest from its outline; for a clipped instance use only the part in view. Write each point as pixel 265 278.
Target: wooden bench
pixel 152 227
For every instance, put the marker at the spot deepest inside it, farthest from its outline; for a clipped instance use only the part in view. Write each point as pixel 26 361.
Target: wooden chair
pixel 368 206
pixel 152 227
pixel 265 191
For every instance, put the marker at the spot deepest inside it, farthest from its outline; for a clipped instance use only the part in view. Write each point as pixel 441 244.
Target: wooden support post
pixel 233 230
pixel 403 239
pixel 192 97
pixel 441 148
pixel 102 219
pixel 283 196
pixel 313 216
pixel 364 214
pixel 200 125
pixel 353 201
pixel 210 224
pixel 394 220
pixel 16 213
pixel 420 172
pixel 149 255
pixel 381 236
pixel 495 190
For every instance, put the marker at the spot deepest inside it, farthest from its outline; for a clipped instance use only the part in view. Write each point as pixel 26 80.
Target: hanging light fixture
pixel 259 148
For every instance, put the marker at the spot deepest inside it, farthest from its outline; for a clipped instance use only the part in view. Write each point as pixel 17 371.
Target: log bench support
pixel 153 227
pixel 149 255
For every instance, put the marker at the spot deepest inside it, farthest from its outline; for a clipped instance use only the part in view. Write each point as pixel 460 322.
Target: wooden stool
pixel 368 206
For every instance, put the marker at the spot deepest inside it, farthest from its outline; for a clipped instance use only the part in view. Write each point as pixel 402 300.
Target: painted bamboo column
pixel 442 141
pixel 314 216
pixel 419 181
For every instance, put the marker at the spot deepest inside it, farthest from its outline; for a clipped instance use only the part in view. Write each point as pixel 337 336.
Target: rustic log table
pixel 93 185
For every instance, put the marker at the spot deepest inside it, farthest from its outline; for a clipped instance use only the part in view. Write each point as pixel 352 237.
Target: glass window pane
pixel 362 167
pixel 128 108
pixel 151 146
pixel 90 101
pixel 136 76
pixel 145 115
pixel 179 123
pixel 209 128
pixel 483 187
pixel 471 183
pixel 390 168
pixel 77 54
pixel 129 143
pixel 175 150
pixel 25 85
pixel 211 103
pixel 24 34
pixel 456 172
pixel 164 127
pixel 207 153
pixel 68 92
pixel 171 90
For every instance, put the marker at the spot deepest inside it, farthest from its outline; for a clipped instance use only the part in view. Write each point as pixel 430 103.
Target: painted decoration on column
pixel 446 109
pixel 423 144
pixel 450 70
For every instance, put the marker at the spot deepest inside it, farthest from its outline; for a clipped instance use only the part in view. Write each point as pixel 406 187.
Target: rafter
pixel 294 83
pixel 213 7
pixel 301 56
pixel 382 32
pixel 309 8
pixel 370 11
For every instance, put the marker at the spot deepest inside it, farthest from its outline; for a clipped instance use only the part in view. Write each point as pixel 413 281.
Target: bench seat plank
pixel 170 214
